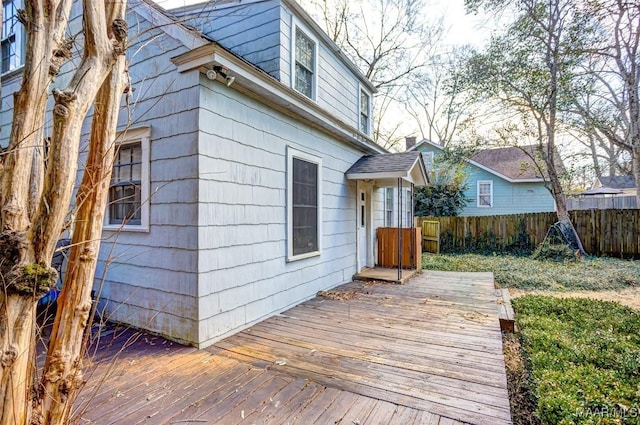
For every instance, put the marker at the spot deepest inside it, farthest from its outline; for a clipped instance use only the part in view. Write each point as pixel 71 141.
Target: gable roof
pixel 618 182
pixel 386 168
pixel 203 53
pixel 509 163
pixel 514 162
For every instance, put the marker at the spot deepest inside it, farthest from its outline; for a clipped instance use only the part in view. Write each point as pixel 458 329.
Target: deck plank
pixel 425 352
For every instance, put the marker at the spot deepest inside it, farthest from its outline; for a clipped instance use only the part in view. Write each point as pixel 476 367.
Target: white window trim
pixel 295 27
pixel 490 183
pixel 20 38
pixel 142 135
pixel 291 154
pixel 368 129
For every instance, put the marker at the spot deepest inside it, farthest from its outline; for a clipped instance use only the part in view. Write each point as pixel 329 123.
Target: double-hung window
pixel 364 112
pixel 388 207
pixel 485 194
pixel 128 206
pixel 12 37
pixel 305 64
pixel 304 175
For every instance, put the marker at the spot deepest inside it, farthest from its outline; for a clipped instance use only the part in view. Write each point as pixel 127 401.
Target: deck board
pixel 425 352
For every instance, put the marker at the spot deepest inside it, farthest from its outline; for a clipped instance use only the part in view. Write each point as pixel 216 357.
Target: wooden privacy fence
pixel 388 247
pixel 610 202
pixel 602 232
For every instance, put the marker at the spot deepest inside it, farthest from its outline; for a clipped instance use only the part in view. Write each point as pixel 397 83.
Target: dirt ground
pixel 629 297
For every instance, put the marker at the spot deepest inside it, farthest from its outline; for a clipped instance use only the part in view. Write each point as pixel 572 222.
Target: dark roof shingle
pixel 516 163
pixel 384 163
pixel 618 182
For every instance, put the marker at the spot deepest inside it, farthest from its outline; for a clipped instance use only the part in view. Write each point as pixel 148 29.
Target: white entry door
pixel 362 228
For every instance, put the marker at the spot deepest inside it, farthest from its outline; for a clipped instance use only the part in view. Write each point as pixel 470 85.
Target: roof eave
pixel 254 82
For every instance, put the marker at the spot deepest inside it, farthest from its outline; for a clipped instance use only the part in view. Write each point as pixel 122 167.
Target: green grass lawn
pixel 582 358
pixel 529 274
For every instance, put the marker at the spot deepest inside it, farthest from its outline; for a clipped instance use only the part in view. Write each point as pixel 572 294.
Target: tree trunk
pixel 32 214
pixel 25 275
pixel 62 377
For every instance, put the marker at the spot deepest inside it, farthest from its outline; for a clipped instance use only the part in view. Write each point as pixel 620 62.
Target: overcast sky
pixel 460 28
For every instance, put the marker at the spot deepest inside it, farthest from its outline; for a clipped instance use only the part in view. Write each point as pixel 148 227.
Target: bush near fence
pixel 614 233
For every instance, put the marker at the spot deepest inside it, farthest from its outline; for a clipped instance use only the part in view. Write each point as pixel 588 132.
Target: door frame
pixel 367 188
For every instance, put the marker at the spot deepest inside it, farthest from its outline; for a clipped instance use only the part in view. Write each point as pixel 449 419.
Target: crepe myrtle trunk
pixel 35 192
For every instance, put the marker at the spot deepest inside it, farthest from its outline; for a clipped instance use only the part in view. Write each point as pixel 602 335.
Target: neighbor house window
pixel 12 38
pixel 364 112
pixel 304 174
pixel 128 206
pixel 305 64
pixel 485 194
pixel 388 207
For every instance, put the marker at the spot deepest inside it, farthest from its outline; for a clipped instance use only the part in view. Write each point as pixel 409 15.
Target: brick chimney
pixel 410 142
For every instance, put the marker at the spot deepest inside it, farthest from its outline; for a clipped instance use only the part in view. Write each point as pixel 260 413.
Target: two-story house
pixel 229 200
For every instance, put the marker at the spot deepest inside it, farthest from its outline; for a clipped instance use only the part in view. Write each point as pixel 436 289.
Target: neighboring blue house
pixel 500 181
pixel 230 200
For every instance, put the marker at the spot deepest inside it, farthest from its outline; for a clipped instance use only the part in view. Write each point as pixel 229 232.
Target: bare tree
pixel 609 100
pixel 436 98
pixel 37 184
pixel 389 41
pixel 530 70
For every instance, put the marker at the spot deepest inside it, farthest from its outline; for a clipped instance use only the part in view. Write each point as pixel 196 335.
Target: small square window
pixel 128 207
pixel 125 201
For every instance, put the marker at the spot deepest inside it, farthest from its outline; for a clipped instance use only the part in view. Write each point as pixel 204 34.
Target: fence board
pixel 388 247
pixel 612 232
pixel 610 202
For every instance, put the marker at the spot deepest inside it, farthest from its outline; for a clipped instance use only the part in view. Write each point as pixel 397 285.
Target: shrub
pixel 583 359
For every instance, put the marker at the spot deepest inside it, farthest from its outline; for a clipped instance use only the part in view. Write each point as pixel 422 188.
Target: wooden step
pixel 506 313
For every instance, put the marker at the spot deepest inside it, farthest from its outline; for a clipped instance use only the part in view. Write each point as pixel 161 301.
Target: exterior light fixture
pixel 212 74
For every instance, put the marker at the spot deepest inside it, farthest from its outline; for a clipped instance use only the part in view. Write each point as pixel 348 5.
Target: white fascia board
pixel 375 176
pixel 258 84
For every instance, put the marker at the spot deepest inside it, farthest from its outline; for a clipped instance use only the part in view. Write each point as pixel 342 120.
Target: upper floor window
pixel 364 112
pixel 129 188
pixel 305 53
pixel 485 194
pixel 12 39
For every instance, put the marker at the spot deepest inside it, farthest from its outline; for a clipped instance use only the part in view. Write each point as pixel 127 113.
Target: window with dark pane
pixel 305 66
pixel 305 207
pixel 364 112
pixel 125 190
pixel 11 39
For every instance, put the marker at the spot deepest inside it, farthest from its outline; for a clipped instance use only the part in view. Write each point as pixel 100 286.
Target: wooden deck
pixel 427 352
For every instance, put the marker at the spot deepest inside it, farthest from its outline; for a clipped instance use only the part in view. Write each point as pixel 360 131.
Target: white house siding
pixel 243 272
pixel 151 277
pixel 250 30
